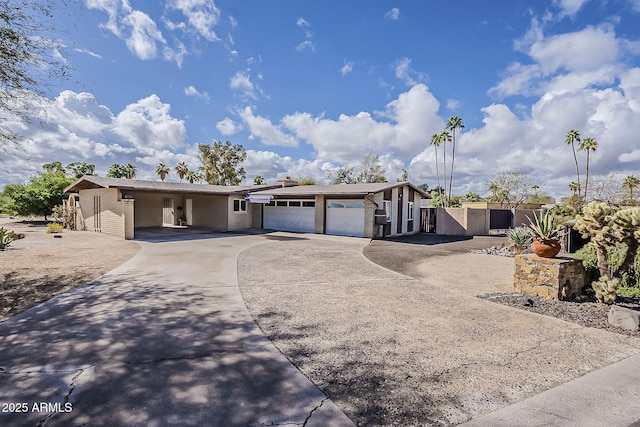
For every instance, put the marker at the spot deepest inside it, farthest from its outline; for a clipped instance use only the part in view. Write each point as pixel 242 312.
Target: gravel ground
pixel 40 266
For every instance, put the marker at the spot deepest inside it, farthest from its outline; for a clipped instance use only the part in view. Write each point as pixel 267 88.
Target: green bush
pixel 55 227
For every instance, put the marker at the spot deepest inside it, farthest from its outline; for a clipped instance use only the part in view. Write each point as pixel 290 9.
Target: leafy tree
pixel 29 59
pixel 162 171
pixel 117 170
pixel 631 182
pixel 307 180
pixel 181 169
pixel 471 197
pixel 454 122
pixel 53 167
pixel 80 169
pixel 342 175
pixel 221 163
pixel 369 170
pixel 509 188
pixel 588 145
pixel 405 176
pixel 572 137
pixel 424 187
pixel 44 192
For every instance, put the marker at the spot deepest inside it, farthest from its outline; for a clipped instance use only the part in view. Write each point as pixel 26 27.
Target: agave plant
pixel 519 238
pixel 545 226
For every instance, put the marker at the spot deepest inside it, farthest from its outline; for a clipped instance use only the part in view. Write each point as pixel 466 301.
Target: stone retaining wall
pixel 551 278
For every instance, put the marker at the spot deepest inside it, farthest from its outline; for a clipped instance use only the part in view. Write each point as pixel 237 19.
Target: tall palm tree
pixel 588 145
pixel 572 137
pixel 446 137
pixel 436 141
pixel 181 169
pixel 631 182
pixel 454 122
pixel 162 171
pixel 574 186
pixel 191 176
pixel 259 180
pixel 129 171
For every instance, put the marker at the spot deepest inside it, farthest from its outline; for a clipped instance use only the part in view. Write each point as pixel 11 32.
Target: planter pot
pixel 546 248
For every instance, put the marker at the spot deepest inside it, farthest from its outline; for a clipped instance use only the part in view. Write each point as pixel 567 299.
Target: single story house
pixel 372 210
pixel 120 206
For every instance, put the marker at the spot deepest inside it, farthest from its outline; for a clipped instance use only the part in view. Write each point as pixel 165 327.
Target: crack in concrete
pixel 313 410
pixel 72 387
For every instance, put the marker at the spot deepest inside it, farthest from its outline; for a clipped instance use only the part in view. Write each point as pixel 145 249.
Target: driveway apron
pixel 163 340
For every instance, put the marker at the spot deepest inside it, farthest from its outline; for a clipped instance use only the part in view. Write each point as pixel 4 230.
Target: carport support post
pixel 128 218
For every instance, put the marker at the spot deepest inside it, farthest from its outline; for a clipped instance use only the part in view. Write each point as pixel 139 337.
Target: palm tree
pixel 631 182
pixel 181 169
pixel 454 122
pixel 259 180
pixel 436 141
pixel 572 137
pixel 129 171
pixel 588 145
pixel 192 176
pixel 446 137
pixel 574 186
pixel 162 171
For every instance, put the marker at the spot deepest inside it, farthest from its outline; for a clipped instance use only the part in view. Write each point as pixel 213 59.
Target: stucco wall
pixel 109 217
pixel 450 221
pixel 520 217
pixel 239 220
pixel 210 211
pixel 148 208
pixel 319 218
pixel 476 221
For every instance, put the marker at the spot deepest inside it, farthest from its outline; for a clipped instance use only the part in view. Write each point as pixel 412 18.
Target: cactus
pixel 626 227
pixel 594 222
pixel 6 238
pixel 606 289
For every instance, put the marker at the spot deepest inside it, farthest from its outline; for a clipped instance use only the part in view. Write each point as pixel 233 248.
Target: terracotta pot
pixel 546 248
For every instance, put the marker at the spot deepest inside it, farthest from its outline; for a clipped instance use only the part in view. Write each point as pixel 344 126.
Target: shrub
pixel 615 257
pixel 55 227
pixel 6 238
pixel 519 238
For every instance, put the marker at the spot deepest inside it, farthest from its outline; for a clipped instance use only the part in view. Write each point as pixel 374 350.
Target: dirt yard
pixel 41 266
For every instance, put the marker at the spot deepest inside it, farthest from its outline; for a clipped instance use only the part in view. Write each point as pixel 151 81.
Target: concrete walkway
pixel 163 340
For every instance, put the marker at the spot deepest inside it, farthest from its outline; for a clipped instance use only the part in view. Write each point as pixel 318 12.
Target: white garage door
pixel 345 217
pixel 290 215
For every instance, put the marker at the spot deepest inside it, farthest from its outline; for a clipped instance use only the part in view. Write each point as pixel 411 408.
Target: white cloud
pixel 306 46
pixel 266 131
pixel 242 82
pixel 228 127
pixel 346 68
pixel 569 7
pixel 192 91
pixel 393 14
pixel 303 23
pixel 272 166
pixel 202 15
pixel 77 128
pixel 631 157
pixel 409 76
pixel 412 116
pixel 453 104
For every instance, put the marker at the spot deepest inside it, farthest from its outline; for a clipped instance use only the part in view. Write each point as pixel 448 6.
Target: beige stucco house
pixel 120 206
pixel 365 210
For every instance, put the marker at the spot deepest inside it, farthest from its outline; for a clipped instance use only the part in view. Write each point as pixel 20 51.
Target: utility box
pixel 381 217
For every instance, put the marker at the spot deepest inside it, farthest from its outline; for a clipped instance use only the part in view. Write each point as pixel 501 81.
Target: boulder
pixel 624 318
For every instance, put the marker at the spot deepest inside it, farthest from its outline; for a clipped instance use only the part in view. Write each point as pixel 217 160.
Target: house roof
pixel 87 182
pixel 337 189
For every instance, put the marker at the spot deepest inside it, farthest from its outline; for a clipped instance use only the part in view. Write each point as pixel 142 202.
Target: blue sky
pixel 307 87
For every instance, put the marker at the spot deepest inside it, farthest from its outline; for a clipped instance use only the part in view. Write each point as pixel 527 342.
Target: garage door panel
pixel 345 217
pixel 289 218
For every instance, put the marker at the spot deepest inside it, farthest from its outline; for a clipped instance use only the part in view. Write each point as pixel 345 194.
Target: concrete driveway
pixel 163 340
pixel 391 349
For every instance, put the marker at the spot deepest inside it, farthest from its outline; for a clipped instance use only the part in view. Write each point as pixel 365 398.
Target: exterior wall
pixel 211 211
pixel 148 208
pixel 109 218
pixel 550 278
pixel 450 221
pixel 256 214
pixel 394 212
pixel 476 221
pixel 128 206
pixel 239 220
pixel 320 225
pixel 372 230
pixel 405 212
pixel 520 217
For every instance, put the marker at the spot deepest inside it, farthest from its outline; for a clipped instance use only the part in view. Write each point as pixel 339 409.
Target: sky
pixel 307 87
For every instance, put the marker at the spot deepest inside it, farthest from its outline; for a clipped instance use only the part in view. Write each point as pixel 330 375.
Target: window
pixel 271 203
pixel 309 204
pixel 295 204
pixel 387 208
pixel 410 211
pixel 240 206
pixel 281 203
